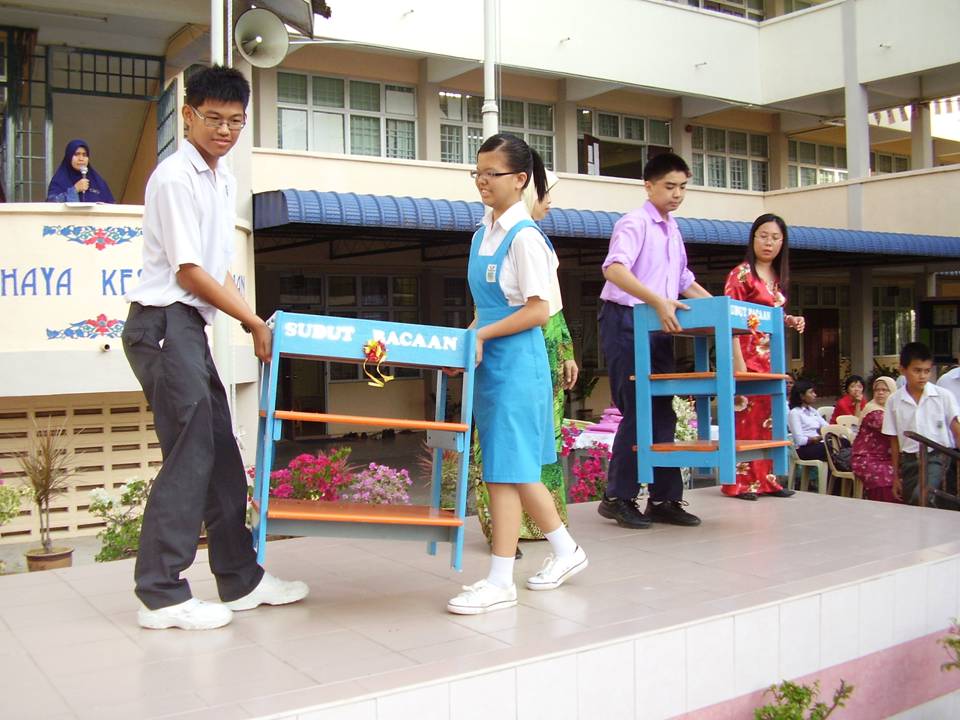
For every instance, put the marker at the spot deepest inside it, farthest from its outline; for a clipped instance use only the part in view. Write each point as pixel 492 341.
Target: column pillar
pixel 567 154
pixel 856 111
pixel 921 137
pixel 428 117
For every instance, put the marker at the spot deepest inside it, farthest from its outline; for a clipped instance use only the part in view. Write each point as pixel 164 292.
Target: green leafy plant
pixel 123 517
pixel 952 645
pixel 449 472
pixel 792 701
pixel 48 466
pixel 11 497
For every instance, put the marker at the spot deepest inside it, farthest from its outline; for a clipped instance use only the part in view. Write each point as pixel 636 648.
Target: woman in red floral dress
pixel 759 279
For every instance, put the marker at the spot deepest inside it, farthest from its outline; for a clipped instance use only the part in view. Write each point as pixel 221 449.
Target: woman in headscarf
pixel 563 374
pixel 76 180
pixel 870 459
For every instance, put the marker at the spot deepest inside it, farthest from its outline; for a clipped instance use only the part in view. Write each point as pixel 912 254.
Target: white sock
pixel 561 542
pixel 501 571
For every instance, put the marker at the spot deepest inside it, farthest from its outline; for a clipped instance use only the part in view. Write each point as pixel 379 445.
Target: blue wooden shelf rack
pixel 720 318
pixel 338 339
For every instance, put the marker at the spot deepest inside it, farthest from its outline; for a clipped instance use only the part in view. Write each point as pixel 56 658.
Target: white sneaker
pixel 190 615
pixel 271 591
pixel 556 571
pixel 482 597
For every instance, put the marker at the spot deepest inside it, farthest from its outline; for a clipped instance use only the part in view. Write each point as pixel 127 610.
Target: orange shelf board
pixel 320 510
pixel 709 446
pixel 747 376
pixel 401 423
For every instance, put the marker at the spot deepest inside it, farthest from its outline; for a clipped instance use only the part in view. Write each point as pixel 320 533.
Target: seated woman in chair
pixel 871 461
pixel 804 422
pixel 852 402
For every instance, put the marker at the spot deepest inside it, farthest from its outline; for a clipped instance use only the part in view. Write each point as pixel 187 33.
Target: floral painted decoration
pixel 374 353
pixel 98 327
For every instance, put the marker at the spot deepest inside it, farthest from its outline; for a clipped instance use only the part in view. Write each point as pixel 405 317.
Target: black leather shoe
pixel 782 492
pixel 746 496
pixel 671 512
pixel 625 512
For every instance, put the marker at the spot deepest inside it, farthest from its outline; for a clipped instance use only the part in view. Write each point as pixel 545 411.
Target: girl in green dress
pixel 563 372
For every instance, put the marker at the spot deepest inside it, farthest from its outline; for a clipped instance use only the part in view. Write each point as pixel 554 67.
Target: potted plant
pixel 48 466
pixel 10 497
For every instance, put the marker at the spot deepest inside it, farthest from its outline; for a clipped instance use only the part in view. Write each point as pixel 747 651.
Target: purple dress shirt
pixel 652 248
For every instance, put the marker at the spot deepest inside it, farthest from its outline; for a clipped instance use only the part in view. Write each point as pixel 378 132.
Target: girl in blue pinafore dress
pixel 511 263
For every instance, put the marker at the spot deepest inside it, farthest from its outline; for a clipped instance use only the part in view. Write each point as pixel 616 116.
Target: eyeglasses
pixel 216 122
pixel 490 174
pixel 772 238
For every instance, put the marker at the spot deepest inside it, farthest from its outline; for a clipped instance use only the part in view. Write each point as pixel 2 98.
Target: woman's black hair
pixel 851 380
pixel 218 83
pixel 781 263
pixel 799 388
pixel 520 157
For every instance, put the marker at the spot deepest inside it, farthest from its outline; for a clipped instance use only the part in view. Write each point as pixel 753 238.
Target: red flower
pixel 100 239
pixel 101 325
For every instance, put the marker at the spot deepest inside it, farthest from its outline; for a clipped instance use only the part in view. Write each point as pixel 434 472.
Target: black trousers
pixel 616 339
pixel 202 479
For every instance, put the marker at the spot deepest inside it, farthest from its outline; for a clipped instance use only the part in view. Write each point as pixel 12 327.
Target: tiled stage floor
pixel 375 621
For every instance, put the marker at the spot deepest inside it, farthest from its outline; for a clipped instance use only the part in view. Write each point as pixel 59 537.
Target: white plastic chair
pixel 807 467
pixel 826 412
pixel 850 486
pixel 851 422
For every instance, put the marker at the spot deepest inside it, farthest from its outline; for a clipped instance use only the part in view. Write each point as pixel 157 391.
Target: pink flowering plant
pixel 313 477
pixel 380 485
pixel 590 474
pixel 568 439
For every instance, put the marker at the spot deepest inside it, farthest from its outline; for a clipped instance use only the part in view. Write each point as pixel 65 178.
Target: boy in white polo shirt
pixel 922 407
pixel 188 227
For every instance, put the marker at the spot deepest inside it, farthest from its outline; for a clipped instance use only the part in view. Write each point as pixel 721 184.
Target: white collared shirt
pixel 189 214
pixel 804 422
pixel 951 381
pixel 931 418
pixel 530 267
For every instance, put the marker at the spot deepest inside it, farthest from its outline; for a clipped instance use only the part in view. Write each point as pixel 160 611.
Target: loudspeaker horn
pixel 261 38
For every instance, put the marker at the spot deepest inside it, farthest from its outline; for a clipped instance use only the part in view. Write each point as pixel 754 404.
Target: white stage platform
pixel 665 622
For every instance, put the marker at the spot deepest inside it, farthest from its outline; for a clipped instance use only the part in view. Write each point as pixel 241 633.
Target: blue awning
pixel 311 207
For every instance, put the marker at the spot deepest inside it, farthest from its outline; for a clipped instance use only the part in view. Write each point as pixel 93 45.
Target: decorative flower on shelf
pixel 753 322
pixel 374 353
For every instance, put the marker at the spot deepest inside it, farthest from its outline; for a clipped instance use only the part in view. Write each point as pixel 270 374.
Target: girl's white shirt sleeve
pixel 529 270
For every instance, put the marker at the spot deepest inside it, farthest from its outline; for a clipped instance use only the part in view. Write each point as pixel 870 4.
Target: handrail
pixel 922 457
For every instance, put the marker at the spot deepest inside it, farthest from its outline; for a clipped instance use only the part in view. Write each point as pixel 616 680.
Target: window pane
pixel 401 139
pixel 455 291
pixel 884 163
pixel 343 291
pixel 697 169
pixel 365 95
pixel 716 140
pixel 608 125
pixel 405 293
pixel 792 176
pixel 451 143
pixel 826 156
pixel 400 100
pixel 541 116
pixel 292 129
pixel 738 174
pixel 659 132
pixel 328 92
pixel 759 175
pixel 825 176
pixel 842 158
pixel 808 176
pixel 451 106
pixel 737 142
pixel 364 135
pixel 792 150
pixel 807 152
pixel 758 145
pixel 474 141
pixel 698 138
pixel 474 108
pixel 901 164
pixel 543 144
pixel 585 121
pixel 373 291
pixel 511 113
pixel 633 128
pixel 328 132
pixel 716 171
pixel 291 88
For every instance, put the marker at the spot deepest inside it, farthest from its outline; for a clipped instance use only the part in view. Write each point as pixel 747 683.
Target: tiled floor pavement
pixel 70 646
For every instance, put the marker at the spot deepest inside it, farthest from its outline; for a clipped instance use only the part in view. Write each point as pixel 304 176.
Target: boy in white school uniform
pixel 188 227
pixel 922 407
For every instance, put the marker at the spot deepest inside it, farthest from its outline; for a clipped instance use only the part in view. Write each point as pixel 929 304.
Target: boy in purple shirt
pixel 647 263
